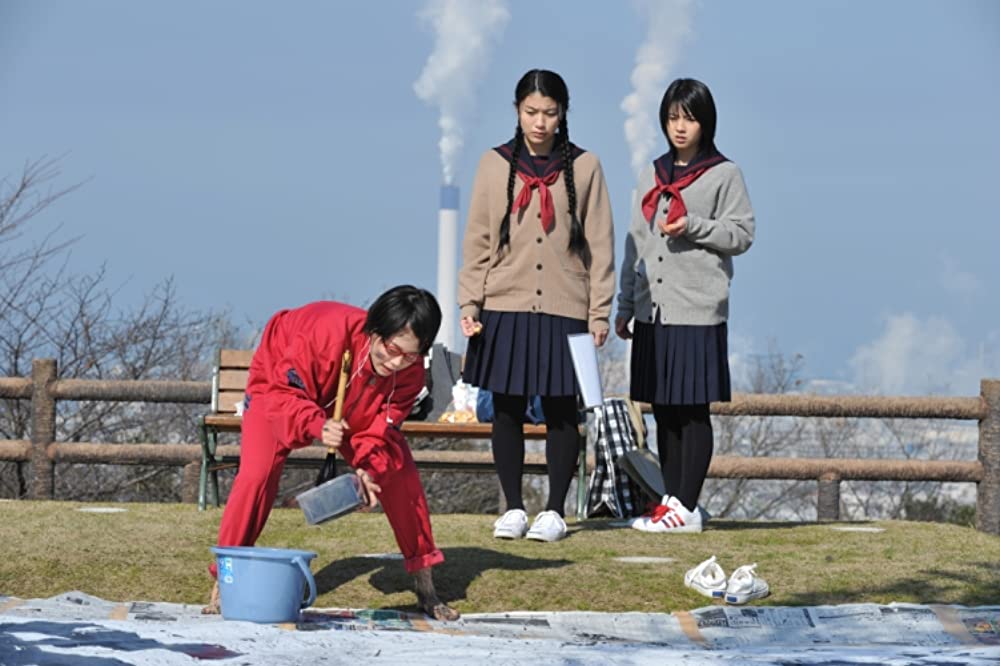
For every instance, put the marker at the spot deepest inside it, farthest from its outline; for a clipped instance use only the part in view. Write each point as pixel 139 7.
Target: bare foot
pixel 213 602
pixel 438 609
pixel 428 600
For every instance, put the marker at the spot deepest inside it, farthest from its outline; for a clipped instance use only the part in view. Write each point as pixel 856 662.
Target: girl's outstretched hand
pixel 470 327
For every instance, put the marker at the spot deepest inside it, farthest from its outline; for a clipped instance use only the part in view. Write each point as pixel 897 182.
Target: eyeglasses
pixel 395 352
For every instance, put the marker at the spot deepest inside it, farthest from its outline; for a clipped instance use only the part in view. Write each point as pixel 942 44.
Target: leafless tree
pixel 46 311
pixel 920 439
pixel 926 439
pixel 753 436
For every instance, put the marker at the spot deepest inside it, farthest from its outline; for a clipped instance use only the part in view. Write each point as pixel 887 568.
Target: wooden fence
pixel 42 452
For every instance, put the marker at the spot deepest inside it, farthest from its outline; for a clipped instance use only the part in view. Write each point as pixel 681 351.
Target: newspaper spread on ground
pixel 80 629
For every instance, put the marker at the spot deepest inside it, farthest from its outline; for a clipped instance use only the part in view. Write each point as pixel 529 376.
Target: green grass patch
pixel 159 552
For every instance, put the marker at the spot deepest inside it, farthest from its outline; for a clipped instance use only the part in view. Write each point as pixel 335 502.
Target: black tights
pixel 562 446
pixel 685 443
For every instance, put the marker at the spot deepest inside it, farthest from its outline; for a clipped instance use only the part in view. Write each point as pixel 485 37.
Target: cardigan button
pixel 659 258
pixel 538 266
pixel 538 291
pixel 539 216
pixel 539 239
pixel 659 280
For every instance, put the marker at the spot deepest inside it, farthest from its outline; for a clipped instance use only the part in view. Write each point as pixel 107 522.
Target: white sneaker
pixel 511 525
pixel 744 585
pixel 548 526
pixel 705 515
pixel 636 523
pixel 671 516
pixel 707 578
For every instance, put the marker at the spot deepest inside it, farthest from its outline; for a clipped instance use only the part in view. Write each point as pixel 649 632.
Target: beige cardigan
pixel 537 272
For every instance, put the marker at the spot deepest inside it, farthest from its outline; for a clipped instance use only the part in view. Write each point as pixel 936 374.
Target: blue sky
pixel 287 137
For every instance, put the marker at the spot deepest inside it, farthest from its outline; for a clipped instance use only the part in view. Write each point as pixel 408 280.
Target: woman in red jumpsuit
pixel 290 397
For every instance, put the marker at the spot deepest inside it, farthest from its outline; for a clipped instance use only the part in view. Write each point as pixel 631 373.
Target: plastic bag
pixel 462 408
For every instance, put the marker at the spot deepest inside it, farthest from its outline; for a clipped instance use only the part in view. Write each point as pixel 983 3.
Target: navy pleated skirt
pixel 522 353
pixel 680 365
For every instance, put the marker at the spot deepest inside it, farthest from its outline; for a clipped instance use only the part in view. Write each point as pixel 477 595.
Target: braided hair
pixel 548 84
pixel 511 177
pixel 577 240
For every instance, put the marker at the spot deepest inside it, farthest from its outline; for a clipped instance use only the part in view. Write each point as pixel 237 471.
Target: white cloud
pixel 922 357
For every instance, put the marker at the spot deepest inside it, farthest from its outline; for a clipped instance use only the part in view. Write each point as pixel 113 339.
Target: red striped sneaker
pixel 651 508
pixel 672 517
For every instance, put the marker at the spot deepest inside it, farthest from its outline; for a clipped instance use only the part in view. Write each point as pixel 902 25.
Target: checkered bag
pixel 612 492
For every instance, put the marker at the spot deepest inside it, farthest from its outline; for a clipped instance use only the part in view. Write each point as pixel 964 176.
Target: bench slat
pixel 235 358
pixel 463 430
pixel 233 380
pixel 228 400
pixel 223 422
pixel 231 423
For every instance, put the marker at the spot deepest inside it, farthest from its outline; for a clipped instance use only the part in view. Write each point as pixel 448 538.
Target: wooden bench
pixel 229 378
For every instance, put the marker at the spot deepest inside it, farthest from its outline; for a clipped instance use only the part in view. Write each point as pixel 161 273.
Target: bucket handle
pixel 304 567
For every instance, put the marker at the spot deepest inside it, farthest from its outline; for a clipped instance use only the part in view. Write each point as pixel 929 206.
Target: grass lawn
pixel 159 552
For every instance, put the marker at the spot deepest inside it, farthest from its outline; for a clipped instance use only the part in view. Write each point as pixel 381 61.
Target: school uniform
pixel 536 291
pixel 677 289
pixel 528 296
pixel 291 391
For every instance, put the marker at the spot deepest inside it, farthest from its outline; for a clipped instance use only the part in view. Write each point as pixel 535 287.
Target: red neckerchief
pixel 663 175
pixel 533 179
pixel 544 197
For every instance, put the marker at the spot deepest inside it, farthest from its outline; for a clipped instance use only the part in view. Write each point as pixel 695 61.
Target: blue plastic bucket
pixel 264 584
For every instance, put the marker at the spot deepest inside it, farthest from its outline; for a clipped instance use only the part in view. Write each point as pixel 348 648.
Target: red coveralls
pixel 291 389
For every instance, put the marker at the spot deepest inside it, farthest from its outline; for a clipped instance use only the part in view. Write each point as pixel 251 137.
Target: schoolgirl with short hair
pixel 693 218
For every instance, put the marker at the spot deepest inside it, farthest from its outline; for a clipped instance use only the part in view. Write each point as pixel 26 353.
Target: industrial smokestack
pixel 447 264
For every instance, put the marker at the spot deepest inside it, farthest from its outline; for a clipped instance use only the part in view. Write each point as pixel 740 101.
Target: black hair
pixel 548 84
pixel 405 306
pixel 695 98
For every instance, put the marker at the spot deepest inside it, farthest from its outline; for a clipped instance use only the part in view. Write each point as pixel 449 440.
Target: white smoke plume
pixel 464 35
pixel 668 26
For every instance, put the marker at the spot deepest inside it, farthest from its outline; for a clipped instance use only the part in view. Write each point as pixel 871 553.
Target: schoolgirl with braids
pixel 538 264
pixel 693 218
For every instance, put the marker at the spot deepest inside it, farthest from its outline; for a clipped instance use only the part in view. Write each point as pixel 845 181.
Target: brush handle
pixel 345 372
